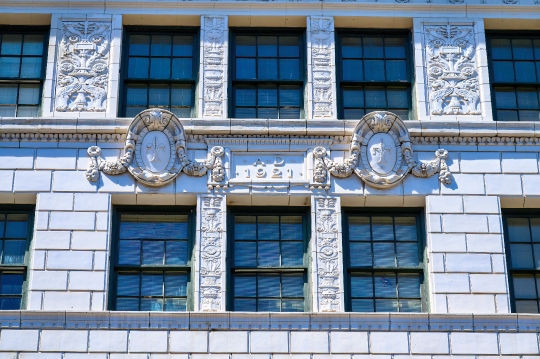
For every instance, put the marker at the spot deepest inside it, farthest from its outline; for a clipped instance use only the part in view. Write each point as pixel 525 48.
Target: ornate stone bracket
pixel 380 154
pixel 155 153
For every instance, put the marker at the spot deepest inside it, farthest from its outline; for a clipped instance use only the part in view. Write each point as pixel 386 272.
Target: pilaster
pixel 214 51
pixel 211 248
pixel 321 68
pixel 326 254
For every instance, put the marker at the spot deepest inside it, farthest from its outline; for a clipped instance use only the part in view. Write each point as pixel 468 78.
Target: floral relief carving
pixel 321 38
pixel 155 153
pixel 380 154
pixel 327 229
pixel 214 66
pixel 451 70
pixel 212 244
pixel 83 67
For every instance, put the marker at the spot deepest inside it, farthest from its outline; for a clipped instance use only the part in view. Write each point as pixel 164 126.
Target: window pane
pixel 289 69
pixel 14 251
pixel 351 47
pixel 158 96
pixel 363 305
pixel 268 305
pixel 9 66
pixel 525 71
pixel 292 285
pixel 139 45
pixel 289 46
pixel 524 286
pixel 290 305
pixel 406 229
pixel 138 67
pixel 181 96
pixel 407 254
pixel 27 111
pixel 11 44
pixel 33 45
pixel 245 305
pixel 152 252
pixel 152 285
pixel 245 69
pixel 360 254
pixel 267 95
pixel 245 227
pixel 161 45
pixel 409 285
pixel 397 98
pixel 291 227
pixel 245 254
pixel 505 97
pixel 137 95
pixel 267 69
pixel 292 253
pixel 160 68
pixel 16 226
pixel 505 115
pixel 527 98
pixel 384 255
pixel 373 47
pixel 130 252
pixel 385 305
pixel 410 306
pixel 521 255
pixel 267 46
pixel 503 71
pixel 374 70
pixel 245 286
pixel 268 254
pixel 362 286
pixel 127 304
pixel 394 47
pixel 175 305
pixel 8 94
pixel 175 285
pixel 28 94
pixel 385 285
pixel 11 283
pixel 526 306
pixel 353 70
pixel 31 67
pixel 182 68
pixel 176 252
pixel 535 229
pixel 518 230
pixel 396 70
pixel 501 49
pixel 290 96
pixel 353 97
pixel 151 304
pixel 10 303
pixel 522 49
pixel 375 97
pixel 268 227
pixel 245 46
pixel 182 46
pixel 383 228
pixel 128 285
pixel 268 285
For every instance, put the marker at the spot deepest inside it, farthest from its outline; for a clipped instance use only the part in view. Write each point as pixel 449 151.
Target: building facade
pixel 269 179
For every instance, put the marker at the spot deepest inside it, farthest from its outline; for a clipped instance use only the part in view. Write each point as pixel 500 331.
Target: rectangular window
pixel 373 74
pixel 15 234
pixel 522 236
pixel 23 56
pixel 384 262
pixel 152 261
pixel 514 62
pixel 160 70
pixel 268 265
pixel 268 78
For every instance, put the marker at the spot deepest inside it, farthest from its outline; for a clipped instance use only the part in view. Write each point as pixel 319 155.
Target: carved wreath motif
pixel 155 152
pixel 380 154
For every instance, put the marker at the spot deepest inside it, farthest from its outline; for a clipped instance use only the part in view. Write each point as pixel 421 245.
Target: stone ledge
pixel 271 321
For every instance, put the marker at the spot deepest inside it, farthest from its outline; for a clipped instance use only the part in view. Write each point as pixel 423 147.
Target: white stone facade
pixel 454 161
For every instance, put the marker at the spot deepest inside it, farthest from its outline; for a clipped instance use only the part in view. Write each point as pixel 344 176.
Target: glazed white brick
pixel 98 301
pixel 42 220
pixel 102 221
pixel 445 204
pixel 70 260
pixel 488 283
pixel 369 356
pixel 87 280
pixel 100 260
pixel 331 356
pixel 108 341
pixel 471 303
pixel 84 356
pixel 32 181
pixel 49 280
pixel 269 342
pixel 189 342
pixel 465 184
pixel 434 224
pixel 451 283
pixel 474 343
pixel 147 341
pixel 56 159
pixel 498 263
pixel 72 181
pixel 531 185
pixel 55 201
pixel 38 259
pixel 128 356
pixel 86 240
pixel 169 356
pixel 519 162
pixel 52 239
pixel 309 342
pixel 503 184
pixel 468 223
pixel 389 343
pixel 436 261
pixel 349 342
pixel 291 356
pixel 501 301
pixel 429 343
pixel 480 162
pixel 41 355
pixel 495 225
pixel 17 158
pixel 229 342
pixel 92 201
pixel 6 180
pixel 484 243
pixel 64 340
pixel 469 263
pixel 481 204
pixel 519 343
pixel 19 340
pixel 209 356
pixel 9 355
pixel 66 301
pixel 73 220
pixel 448 242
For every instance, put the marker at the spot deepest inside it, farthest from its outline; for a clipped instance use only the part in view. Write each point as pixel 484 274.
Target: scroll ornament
pixel 155 153
pixel 381 155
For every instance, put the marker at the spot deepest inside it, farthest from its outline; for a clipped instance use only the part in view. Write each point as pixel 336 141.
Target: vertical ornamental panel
pixel 327 254
pixel 211 249
pixel 214 51
pixel 321 69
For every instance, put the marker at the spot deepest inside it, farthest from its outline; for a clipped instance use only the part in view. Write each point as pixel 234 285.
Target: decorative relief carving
pixel 212 229
pixel 155 152
pixel 321 38
pixel 451 69
pixel 214 66
pixel 327 242
pixel 268 167
pixel 380 154
pixel 83 67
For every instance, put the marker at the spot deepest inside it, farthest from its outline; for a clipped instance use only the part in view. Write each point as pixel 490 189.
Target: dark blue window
pixel 373 73
pixel 268 263
pixel 152 264
pixel 267 75
pixel 384 263
pixel 515 77
pixel 160 71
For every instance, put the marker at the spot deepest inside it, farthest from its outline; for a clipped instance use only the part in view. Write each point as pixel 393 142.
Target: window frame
pixel 511 34
pixel 273 211
pixel 422 268
pixel 516 213
pixel 158 30
pixel 117 211
pixel 29 30
pixel 258 31
pixel 340 83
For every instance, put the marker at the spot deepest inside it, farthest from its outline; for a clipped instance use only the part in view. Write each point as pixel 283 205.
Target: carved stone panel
pixel 214 40
pixel 327 254
pixel 82 66
pixel 268 167
pixel 211 248
pixel 452 74
pixel 321 69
